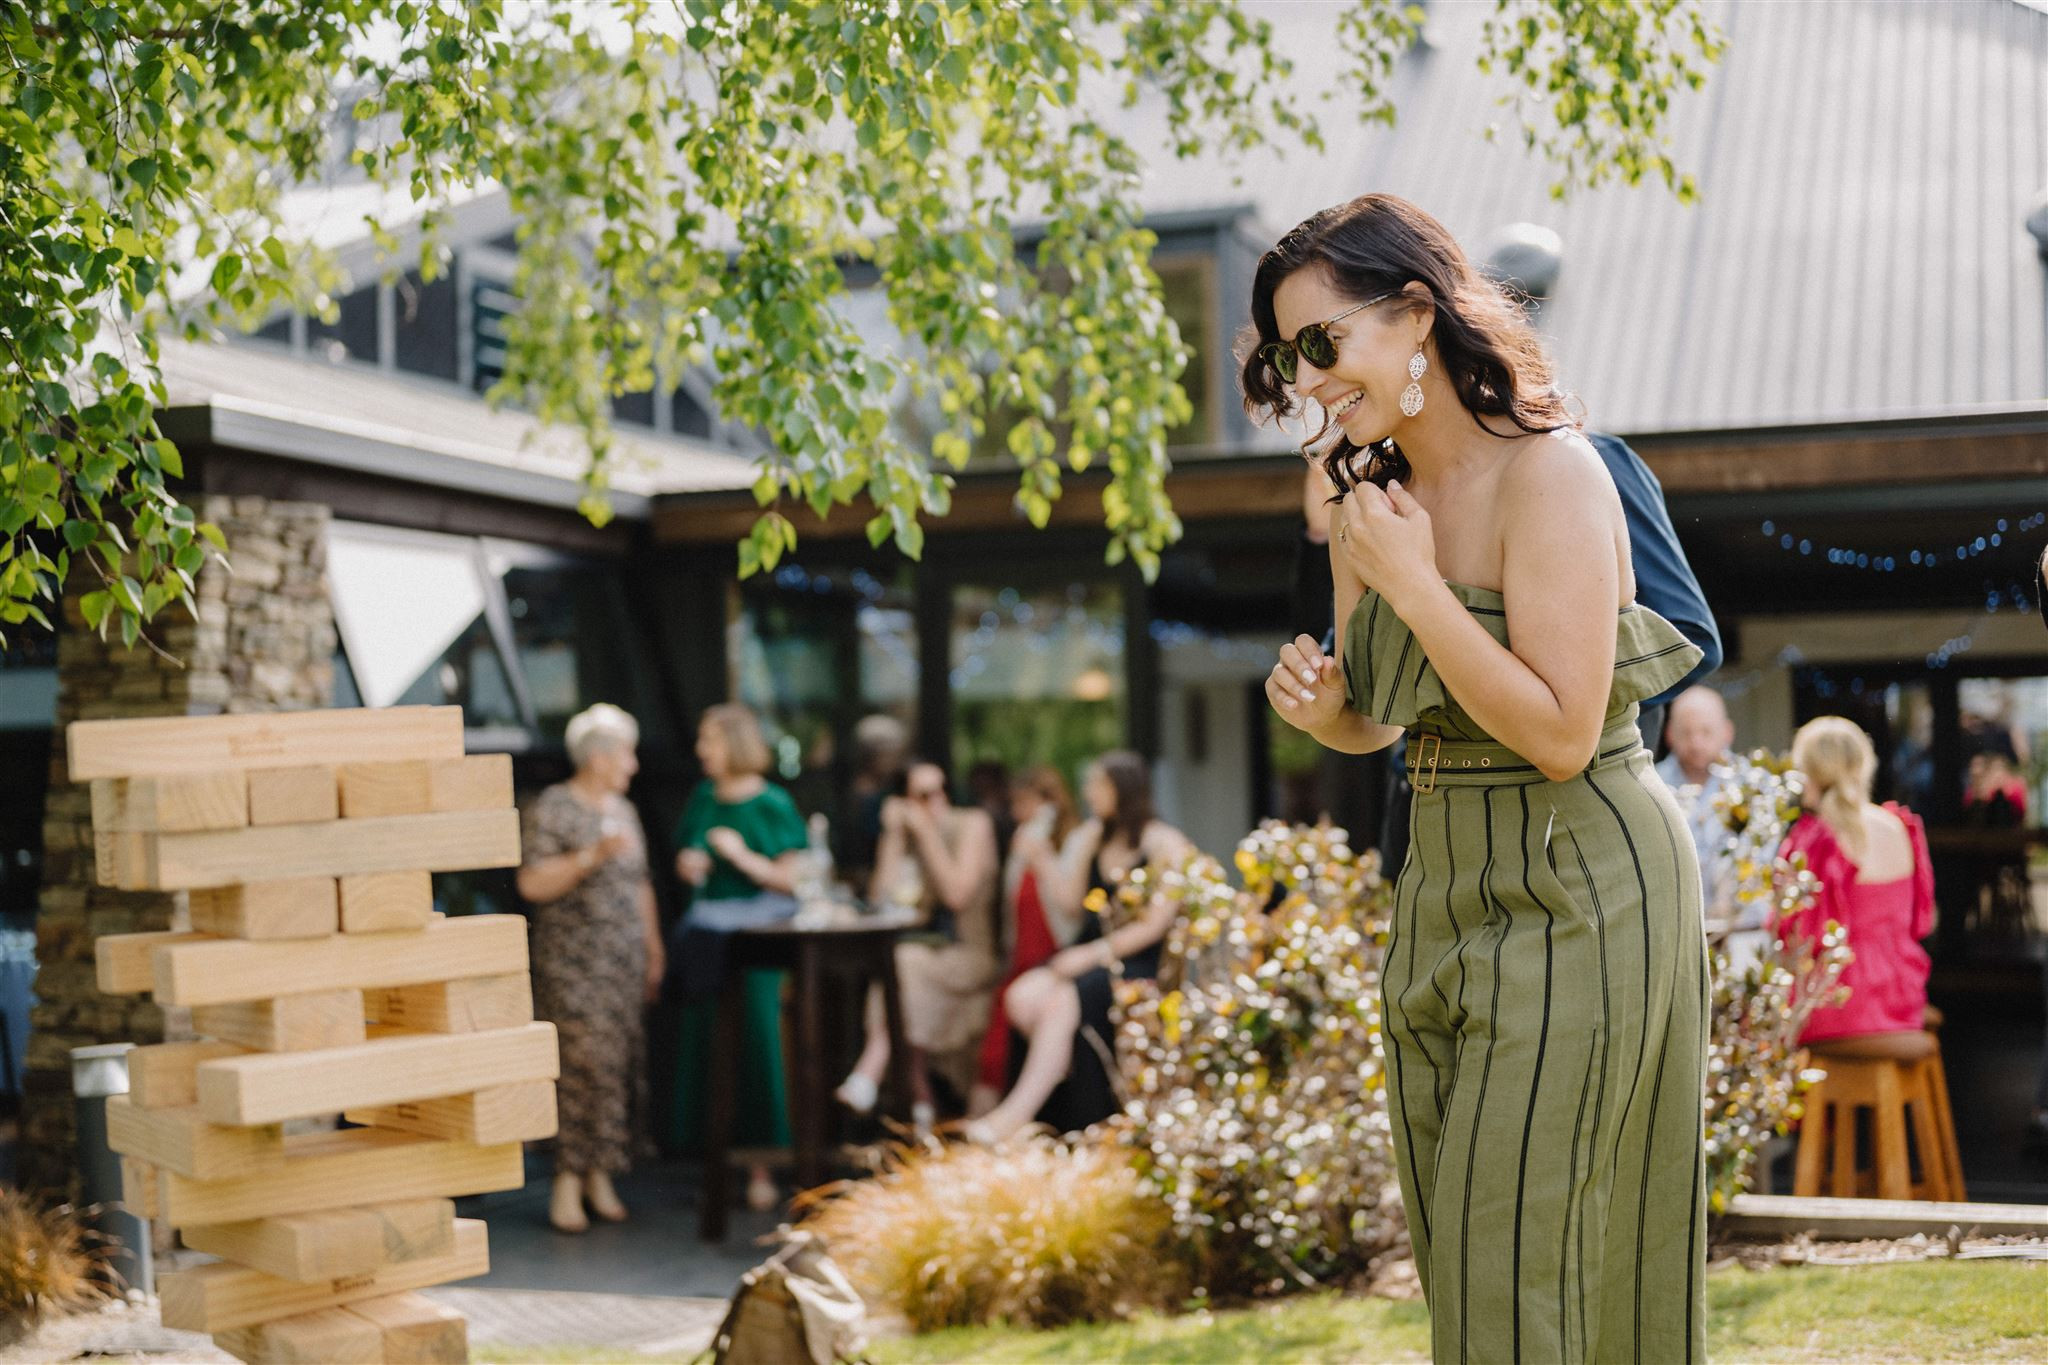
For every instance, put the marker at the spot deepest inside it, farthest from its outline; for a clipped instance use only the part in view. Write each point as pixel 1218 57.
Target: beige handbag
pixel 794 1308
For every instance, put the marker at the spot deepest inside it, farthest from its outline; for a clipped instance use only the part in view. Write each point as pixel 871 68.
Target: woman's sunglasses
pixel 1312 343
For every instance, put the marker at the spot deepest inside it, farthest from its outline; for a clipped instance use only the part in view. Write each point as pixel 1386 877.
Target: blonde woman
pixel 597 958
pixel 740 844
pixel 1876 881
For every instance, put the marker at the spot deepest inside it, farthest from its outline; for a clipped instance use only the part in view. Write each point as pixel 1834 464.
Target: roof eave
pixel 309 439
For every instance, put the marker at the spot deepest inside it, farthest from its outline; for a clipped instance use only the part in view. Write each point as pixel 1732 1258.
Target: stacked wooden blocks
pixel 323 983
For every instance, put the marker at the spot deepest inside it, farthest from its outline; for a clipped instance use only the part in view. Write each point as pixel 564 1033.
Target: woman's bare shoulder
pixel 1557 461
pixel 1164 841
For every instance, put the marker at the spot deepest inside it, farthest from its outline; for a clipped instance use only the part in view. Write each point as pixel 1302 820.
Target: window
pixel 426 326
pixel 1037 675
pixel 354 332
pixel 811 652
pixel 2004 724
pixel 1190 285
pixel 410 610
pixel 520 637
pixel 572 637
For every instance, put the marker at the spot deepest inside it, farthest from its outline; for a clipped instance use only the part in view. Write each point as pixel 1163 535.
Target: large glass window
pixel 1037 674
pixel 812 651
pixel 411 612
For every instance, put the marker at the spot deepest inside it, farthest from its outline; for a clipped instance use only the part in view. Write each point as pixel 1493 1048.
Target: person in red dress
pixel 1044 811
pixel 1876 881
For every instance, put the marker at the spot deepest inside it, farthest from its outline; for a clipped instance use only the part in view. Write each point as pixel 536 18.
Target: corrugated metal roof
pixel 347 412
pixel 1859 249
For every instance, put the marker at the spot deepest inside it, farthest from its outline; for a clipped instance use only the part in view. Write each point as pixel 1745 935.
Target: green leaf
pixel 35 99
pixel 142 170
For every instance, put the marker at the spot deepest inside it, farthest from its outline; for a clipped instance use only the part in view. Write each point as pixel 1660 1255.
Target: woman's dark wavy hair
pixel 1131 776
pixel 1484 343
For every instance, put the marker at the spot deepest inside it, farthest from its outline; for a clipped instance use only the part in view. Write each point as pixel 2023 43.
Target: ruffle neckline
pixel 1389 680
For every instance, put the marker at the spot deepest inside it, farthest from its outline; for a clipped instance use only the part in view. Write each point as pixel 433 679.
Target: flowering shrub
pixel 1252 1069
pixel 1766 990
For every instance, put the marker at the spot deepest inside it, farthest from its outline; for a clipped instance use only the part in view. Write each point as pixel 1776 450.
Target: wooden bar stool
pixel 1898 1079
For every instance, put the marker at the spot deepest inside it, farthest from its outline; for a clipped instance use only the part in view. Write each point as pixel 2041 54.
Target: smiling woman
pixel 1545 987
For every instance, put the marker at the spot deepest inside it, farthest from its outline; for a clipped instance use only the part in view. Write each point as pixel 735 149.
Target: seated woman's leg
pixel 862 1086
pixel 1047 1010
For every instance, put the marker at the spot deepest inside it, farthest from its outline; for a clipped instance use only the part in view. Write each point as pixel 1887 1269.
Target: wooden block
pixel 417 1331
pixel 468 1005
pixel 166 1075
pixel 300 907
pixel 182 1141
pixel 123 961
pixel 375 789
pixel 222 1296
pixel 523 1112
pixel 269 1088
pixel 159 746
pixel 454 842
pixel 327 1336
pixel 173 804
pixel 288 1023
pixel 313 1247
pixel 340 1170
pixel 479 782
pixel 139 1188
pixel 222 970
pixel 293 796
pixel 375 901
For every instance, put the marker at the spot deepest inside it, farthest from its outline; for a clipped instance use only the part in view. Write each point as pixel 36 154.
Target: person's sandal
pixel 858 1093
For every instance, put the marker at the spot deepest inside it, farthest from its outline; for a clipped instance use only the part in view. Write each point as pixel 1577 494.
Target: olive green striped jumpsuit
pixel 1544 1018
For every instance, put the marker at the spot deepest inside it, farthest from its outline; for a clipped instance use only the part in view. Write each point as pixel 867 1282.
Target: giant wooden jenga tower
pixel 321 982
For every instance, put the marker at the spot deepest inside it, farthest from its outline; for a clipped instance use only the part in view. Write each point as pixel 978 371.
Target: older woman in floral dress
pixel 597 959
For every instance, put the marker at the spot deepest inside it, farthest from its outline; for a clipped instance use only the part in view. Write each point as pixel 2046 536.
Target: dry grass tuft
pixel 1035 1234
pixel 48 1262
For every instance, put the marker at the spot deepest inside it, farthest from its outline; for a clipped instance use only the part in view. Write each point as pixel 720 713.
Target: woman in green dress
pixel 740 844
pixel 1545 980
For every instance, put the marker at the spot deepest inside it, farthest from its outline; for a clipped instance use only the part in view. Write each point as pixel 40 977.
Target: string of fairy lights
pixel 1845 556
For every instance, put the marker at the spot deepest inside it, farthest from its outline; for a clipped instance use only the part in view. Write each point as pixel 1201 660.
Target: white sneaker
pixel 858 1093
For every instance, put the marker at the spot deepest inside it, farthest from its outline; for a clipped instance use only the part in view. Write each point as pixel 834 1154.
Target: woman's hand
pixel 693 865
pixel 1386 539
pixel 894 810
pixel 726 842
pixel 1305 686
pixel 918 821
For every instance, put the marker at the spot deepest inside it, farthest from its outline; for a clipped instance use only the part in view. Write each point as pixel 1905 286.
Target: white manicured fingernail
pixel 1308 696
pixel 1308 675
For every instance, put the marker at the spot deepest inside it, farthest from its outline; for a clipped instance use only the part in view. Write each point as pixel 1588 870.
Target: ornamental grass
pixel 1037 1233
pixel 49 1263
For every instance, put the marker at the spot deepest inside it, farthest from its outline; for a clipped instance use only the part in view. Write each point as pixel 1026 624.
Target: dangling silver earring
pixel 1411 397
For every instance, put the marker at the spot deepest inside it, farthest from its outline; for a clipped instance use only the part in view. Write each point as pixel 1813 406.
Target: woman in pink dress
pixel 1876 881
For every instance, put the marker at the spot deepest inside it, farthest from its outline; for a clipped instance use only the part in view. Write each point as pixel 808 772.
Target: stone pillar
pixel 263 641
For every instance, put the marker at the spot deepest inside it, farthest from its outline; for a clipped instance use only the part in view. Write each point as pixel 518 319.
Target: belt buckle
pixel 1432 746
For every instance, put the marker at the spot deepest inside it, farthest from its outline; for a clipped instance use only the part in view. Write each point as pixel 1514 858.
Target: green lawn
pixel 1940 1311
